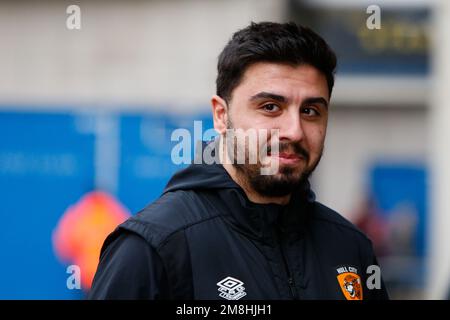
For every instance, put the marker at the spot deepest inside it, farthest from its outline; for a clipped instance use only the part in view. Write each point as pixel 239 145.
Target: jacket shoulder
pixel 324 214
pixel 172 212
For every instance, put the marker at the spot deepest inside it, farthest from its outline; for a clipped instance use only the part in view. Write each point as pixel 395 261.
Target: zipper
pixel 291 282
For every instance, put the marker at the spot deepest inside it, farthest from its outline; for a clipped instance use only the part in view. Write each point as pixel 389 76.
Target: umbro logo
pixel 231 288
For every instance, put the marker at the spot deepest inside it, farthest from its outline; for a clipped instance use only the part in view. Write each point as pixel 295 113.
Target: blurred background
pixel 86 117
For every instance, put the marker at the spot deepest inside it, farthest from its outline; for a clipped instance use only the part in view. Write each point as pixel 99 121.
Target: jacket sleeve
pixel 129 268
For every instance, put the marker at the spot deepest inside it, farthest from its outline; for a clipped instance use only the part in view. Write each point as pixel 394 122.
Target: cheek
pixel 256 124
pixel 315 139
pixel 242 120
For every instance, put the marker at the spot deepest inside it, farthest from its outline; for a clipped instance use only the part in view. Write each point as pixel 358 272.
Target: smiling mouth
pixel 292 156
pixel 287 158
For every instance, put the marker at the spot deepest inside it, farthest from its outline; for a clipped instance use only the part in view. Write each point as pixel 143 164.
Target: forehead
pixel 283 79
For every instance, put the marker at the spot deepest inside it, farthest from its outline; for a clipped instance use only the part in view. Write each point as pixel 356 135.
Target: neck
pixel 252 195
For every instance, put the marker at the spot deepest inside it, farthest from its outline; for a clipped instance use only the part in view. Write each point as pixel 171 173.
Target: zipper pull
pixel 292 288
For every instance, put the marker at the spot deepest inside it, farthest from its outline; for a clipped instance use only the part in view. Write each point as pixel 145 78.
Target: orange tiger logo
pixel 350 284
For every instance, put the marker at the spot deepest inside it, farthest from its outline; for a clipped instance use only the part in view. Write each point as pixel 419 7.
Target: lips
pixel 289 151
pixel 291 156
pixel 287 158
pixel 284 155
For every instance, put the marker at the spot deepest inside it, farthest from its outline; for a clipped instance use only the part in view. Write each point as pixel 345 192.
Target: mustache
pixel 293 148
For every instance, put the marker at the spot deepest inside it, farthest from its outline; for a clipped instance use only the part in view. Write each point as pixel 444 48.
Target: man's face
pixel 292 99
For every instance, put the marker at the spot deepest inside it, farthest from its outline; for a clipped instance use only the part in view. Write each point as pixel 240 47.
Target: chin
pixel 291 170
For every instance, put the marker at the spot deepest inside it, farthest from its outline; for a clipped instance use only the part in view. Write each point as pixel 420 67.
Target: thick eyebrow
pixel 282 99
pixel 268 95
pixel 315 100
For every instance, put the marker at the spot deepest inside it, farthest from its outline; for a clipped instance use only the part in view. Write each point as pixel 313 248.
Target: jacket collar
pixel 263 221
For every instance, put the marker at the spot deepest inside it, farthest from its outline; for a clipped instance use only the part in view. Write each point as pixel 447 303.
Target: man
pixel 227 231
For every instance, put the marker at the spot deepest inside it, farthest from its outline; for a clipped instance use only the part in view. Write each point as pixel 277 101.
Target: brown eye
pixel 271 107
pixel 310 111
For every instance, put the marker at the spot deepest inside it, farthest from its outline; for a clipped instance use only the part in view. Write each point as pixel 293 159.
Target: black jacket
pixel 204 239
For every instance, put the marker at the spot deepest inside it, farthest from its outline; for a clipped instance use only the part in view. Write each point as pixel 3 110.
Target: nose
pixel 291 127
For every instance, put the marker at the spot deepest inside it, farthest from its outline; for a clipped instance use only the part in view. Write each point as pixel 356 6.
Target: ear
pixel 219 110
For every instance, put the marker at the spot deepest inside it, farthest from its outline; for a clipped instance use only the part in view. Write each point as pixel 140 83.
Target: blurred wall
pixel 360 137
pixel 439 255
pixel 126 53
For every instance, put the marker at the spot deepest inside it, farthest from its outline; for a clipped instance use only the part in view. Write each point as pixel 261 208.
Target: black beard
pixel 281 184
